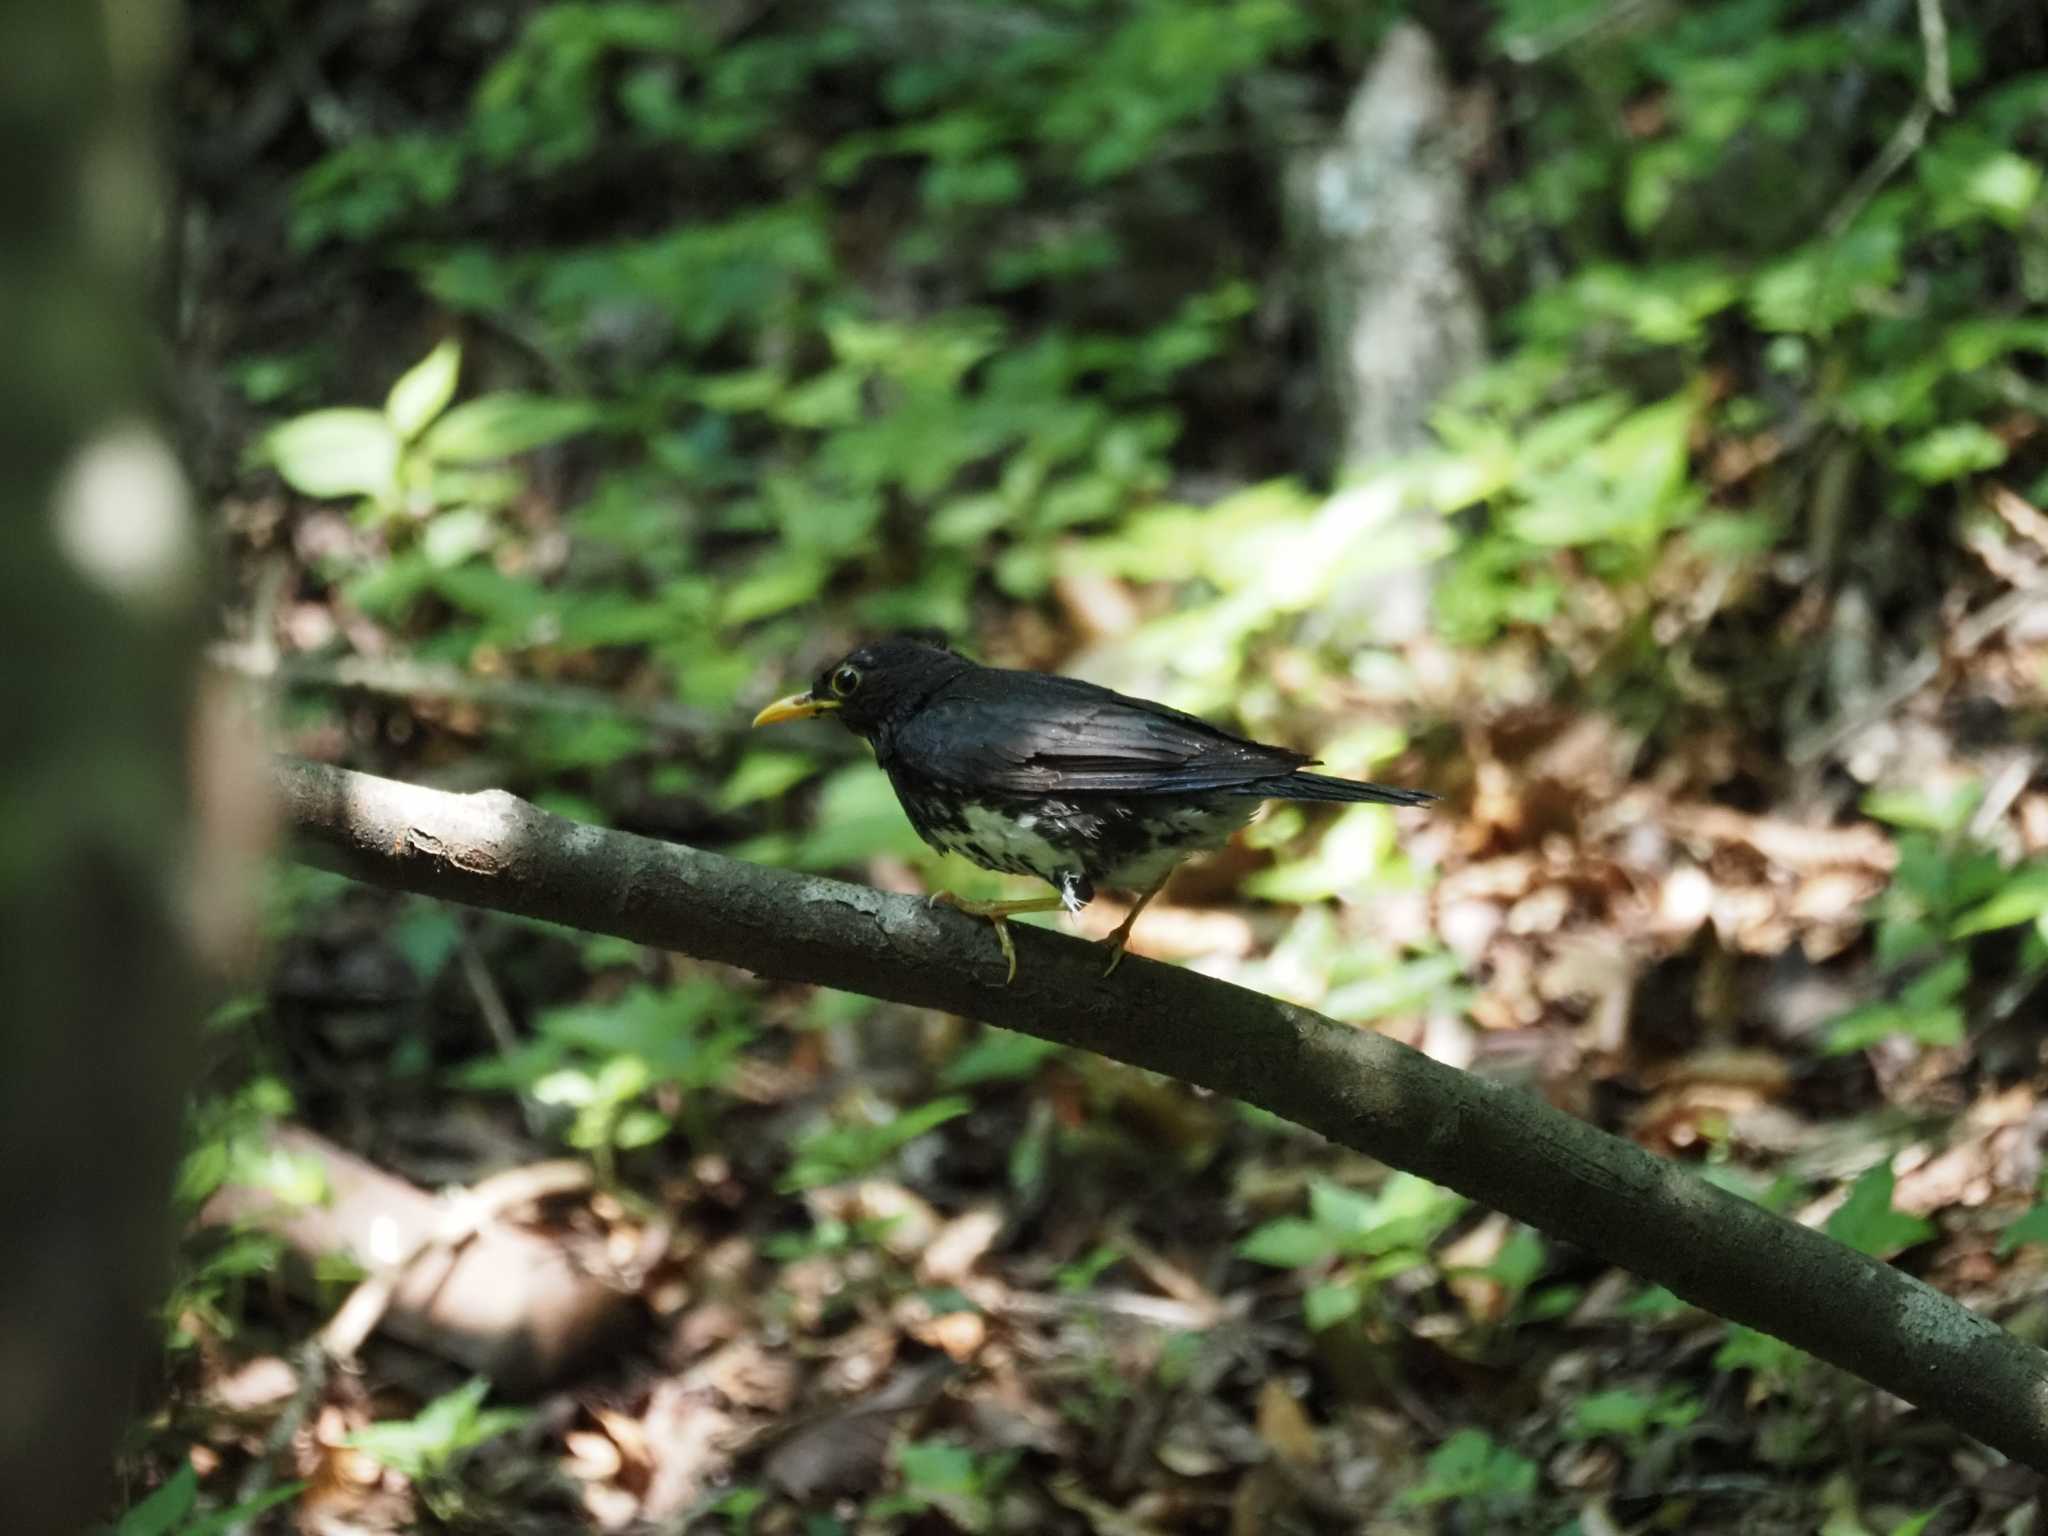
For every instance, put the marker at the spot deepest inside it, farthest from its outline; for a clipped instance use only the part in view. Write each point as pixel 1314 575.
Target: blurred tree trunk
pixel 1383 210
pixel 1380 224
pixel 96 601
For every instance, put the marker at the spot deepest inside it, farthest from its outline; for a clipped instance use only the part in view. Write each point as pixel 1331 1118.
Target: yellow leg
pixel 999 913
pixel 1116 941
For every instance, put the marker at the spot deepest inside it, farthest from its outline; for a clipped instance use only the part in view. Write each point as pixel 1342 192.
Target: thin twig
pixel 1934 48
pixel 1935 96
pixel 417 679
pixel 490 1003
pixel 1916 674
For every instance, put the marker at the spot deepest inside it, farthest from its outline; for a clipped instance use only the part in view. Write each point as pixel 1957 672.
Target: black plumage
pixel 1033 774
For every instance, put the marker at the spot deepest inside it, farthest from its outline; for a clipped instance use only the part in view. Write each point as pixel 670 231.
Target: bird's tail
pixel 1320 786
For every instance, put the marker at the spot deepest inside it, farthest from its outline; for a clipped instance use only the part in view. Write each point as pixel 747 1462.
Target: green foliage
pixel 834 1153
pixel 173 1509
pixel 1947 889
pixel 1772 1363
pixel 996 1056
pixel 2031 1227
pixel 1867 1222
pixel 1631 1417
pixel 782 416
pixel 429 1447
pixel 959 1483
pixel 614 1065
pixel 773 418
pixel 1471 1469
pixel 1392 1230
pixel 738 1507
pixel 405 460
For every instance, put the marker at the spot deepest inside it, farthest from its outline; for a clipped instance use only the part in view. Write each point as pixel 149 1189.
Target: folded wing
pixel 1050 735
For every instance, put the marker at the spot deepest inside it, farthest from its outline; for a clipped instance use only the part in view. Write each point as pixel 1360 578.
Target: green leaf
pixel 1620 1411
pixel 158 1514
pixel 426 933
pixel 239 1517
pixel 498 426
pixel 1344 1213
pixel 347 451
pixel 1353 847
pixel 2030 1228
pixel 1631 1415
pixel 2022 899
pixel 424 391
pixel 456 536
pixel 1289 1243
pixel 765 775
pixel 1470 1466
pixel 840 1152
pixel 1747 1349
pixel 1326 1305
pixel 1924 810
pixel 999 1055
pixel 1952 452
pixel 936 1466
pixel 425 1445
pixel 1867 1222
pixel 1926 1012
pixel 1939 984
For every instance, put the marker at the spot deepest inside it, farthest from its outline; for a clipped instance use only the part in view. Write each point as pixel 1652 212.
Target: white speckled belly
pixel 1126 843
pixel 998 840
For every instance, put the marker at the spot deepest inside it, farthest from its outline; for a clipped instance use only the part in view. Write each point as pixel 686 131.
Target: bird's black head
pixel 875 686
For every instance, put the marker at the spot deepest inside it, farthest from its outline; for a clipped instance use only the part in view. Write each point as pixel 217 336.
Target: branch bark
pixel 1498 1145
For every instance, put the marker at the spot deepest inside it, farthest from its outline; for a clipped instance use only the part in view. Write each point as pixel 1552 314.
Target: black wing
pixel 1033 734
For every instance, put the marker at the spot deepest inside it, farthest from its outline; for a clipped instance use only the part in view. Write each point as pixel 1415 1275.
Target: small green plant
pixel 1379 1235
pixel 738 1508
pixel 173 1510
pixel 1634 1418
pixel 830 1235
pixel 1774 1366
pixel 417 456
pixel 2031 1227
pixel 630 1069
pixel 1947 889
pixel 433 478
pixel 997 1056
pixel 835 1153
pixel 227 1142
pixel 1470 1468
pixel 1867 1222
pixel 428 1448
pixel 959 1484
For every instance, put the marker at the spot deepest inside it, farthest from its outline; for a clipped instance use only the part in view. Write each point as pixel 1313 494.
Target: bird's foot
pixel 1116 941
pixel 999 914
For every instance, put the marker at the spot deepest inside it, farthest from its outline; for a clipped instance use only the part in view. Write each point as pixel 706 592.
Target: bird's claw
pixel 998 920
pixel 1115 945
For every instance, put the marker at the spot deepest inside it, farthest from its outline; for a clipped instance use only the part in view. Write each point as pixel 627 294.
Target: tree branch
pixel 1498 1145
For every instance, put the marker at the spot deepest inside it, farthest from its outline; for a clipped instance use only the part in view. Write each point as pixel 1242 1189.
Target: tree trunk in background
pixel 1383 210
pixel 96 601
pixel 1380 215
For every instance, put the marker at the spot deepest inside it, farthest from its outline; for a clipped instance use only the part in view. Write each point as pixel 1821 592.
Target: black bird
pixel 1032 774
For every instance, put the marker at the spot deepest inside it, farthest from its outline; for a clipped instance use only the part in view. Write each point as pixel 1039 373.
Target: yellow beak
pixel 798 706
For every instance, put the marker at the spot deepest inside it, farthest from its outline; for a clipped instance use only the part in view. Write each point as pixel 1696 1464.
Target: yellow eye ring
pixel 845 680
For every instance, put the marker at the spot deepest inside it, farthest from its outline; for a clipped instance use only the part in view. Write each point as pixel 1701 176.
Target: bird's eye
pixel 845 680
